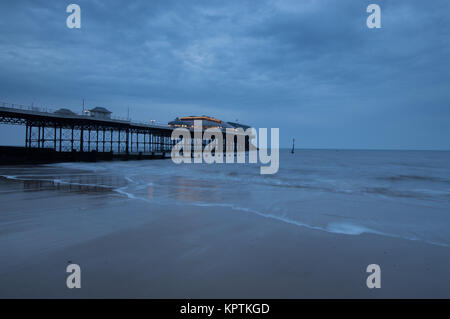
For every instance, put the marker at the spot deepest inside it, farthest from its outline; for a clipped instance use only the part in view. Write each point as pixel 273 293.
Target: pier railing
pixel 51 110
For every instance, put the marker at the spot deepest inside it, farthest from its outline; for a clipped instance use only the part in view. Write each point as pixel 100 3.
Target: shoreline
pixel 134 248
pixel 56 184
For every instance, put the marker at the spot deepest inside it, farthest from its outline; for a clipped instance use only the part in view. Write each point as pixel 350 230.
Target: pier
pixel 64 135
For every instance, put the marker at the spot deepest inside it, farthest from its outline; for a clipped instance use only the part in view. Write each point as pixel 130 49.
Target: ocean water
pixel 404 194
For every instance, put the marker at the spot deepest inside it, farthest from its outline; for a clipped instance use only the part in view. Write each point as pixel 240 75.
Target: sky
pixel 311 68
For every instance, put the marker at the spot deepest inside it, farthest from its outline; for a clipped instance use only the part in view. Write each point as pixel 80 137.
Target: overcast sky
pixel 310 67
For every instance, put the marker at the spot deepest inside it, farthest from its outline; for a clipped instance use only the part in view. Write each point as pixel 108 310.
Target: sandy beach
pixel 135 249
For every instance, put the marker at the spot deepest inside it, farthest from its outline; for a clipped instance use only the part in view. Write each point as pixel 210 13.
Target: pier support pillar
pixel 71 141
pixel 118 146
pixel 26 136
pixel 89 139
pixel 97 140
pixel 112 135
pixel 131 137
pixel 127 138
pixel 104 131
pixel 54 138
pixel 39 137
pixel 81 139
pixel 43 136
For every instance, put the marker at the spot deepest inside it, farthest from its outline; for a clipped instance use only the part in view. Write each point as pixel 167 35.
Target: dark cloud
pixel 310 67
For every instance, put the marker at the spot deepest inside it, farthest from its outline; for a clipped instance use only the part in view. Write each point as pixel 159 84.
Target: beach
pixel 133 246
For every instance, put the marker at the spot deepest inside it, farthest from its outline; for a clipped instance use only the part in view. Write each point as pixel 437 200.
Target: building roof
pixel 207 121
pixel 203 117
pixel 238 125
pixel 64 111
pixel 100 109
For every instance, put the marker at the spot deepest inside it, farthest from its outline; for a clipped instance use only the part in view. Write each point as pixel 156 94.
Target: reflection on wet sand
pixel 69 183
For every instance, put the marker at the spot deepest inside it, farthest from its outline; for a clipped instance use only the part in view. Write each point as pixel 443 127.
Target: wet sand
pixel 128 249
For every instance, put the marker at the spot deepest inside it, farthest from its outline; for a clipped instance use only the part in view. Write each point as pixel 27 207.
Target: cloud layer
pixel 311 67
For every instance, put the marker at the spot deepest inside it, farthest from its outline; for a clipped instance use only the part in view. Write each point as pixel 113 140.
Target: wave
pixel 13 177
pixel 132 179
pixel 419 193
pixel 392 193
pixel 416 193
pixel 56 181
pixel 342 228
pixel 121 190
pixel 400 178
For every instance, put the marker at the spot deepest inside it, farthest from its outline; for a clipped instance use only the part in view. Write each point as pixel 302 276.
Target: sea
pixel 401 194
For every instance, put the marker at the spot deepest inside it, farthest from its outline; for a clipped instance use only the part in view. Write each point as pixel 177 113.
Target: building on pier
pixel 65 112
pixel 100 112
pixel 206 121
